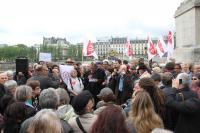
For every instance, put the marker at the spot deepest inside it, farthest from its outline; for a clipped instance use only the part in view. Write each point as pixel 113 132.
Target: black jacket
pixel 189 113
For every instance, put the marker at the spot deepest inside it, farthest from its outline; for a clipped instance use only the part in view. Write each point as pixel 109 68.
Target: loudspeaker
pixel 21 64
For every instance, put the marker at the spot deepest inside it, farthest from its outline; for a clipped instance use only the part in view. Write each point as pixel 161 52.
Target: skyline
pixel 78 20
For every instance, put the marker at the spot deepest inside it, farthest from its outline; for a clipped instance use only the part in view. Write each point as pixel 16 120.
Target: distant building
pixel 54 41
pixel 105 46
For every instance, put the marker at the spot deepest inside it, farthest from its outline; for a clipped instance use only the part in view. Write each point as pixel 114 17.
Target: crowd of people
pixel 102 97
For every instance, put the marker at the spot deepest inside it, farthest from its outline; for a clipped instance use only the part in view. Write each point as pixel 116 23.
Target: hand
pixel 55 72
pixel 175 84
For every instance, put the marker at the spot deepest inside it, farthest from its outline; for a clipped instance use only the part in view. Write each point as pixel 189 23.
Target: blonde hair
pixel 45 121
pixel 142 114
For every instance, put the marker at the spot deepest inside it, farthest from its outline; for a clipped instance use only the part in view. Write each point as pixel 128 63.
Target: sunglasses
pixel 194 78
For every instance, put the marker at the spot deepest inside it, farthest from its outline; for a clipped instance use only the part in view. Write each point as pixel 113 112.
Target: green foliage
pixel 10 53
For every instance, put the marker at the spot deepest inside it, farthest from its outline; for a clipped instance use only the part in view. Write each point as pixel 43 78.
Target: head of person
pixel 185 67
pixel 93 68
pixel 106 94
pixel 142 113
pixel 196 88
pixel 196 68
pixel 49 99
pixel 70 61
pixel 136 86
pixel 105 64
pixel 15 114
pixel 23 93
pixel 167 79
pixel 45 121
pixel 142 68
pixel 155 93
pixel 3 78
pixel 156 70
pixel 10 86
pixel 183 79
pixel 195 78
pixel 123 69
pixel 169 67
pixel 157 78
pixel 110 120
pixel 177 68
pixel 10 75
pixel 35 85
pixel 83 103
pixel 133 70
pixel 42 70
pixel 73 73
pixel 63 96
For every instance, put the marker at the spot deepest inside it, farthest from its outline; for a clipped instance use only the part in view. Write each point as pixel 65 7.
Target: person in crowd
pixel 142 117
pixel 177 69
pixel 107 98
pixel 189 110
pixel 123 89
pixel 156 94
pixel 65 111
pixel 74 84
pixel 127 105
pixel 10 74
pixel 24 94
pixel 110 120
pixel 196 68
pixel 156 70
pixel 8 97
pixel 83 105
pixel 196 88
pixel 143 71
pixel 35 85
pixel 195 78
pixel 157 79
pixel 169 67
pixel 15 114
pixel 48 99
pixel 42 76
pixel 45 121
pixel 186 69
pixel 3 79
pixel 134 75
pixel 97 79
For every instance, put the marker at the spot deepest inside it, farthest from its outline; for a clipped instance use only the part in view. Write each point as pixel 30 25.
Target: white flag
pixel 170 45
pixel 161 47
pixel 151 50
pixel 88 50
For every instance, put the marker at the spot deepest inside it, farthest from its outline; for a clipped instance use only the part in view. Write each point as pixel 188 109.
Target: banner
pixel 65 71
pixel 45 57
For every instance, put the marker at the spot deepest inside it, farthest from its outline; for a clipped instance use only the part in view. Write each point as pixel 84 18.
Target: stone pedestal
pixel 187 19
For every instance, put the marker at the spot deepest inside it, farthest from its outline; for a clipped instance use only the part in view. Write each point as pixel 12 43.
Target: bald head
pixel 3 78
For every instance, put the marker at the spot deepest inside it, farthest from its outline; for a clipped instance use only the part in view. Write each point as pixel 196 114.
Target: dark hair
pixel 119 61
pixel 156 95
pixel 80 101
pixel 178 64
pixel 108 98
pixel 33 83
pixel 110 120
pixel 170 66
pixel 15 114
pixel 125 62
pixel 6 100
pixel 167 79
pixel 156 77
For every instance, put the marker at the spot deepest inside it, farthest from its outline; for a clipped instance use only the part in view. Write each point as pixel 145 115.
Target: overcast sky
pixel 27 21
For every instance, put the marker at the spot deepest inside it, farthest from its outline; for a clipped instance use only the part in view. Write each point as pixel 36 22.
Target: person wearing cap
pixel 107 99
pixel 143 71
pixel 83 106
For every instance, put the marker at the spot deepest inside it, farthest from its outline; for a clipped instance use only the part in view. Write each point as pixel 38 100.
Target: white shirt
pixel 75 85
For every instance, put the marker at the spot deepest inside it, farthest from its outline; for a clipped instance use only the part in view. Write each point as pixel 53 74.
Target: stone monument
pixel 187 21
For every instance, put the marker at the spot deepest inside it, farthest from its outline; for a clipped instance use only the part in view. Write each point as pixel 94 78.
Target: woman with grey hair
pixel 45 121
pixel 10 86
pixel 23 94
pixel 65 111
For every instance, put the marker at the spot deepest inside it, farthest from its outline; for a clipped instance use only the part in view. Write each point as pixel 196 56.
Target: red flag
pixel 129 52
pixel 90 48
pixel 151 50
pixel 161 47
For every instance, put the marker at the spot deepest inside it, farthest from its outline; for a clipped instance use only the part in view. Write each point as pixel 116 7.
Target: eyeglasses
pixel 194 78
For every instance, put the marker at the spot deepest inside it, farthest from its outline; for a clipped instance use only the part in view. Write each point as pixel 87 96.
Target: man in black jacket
pixel 188 108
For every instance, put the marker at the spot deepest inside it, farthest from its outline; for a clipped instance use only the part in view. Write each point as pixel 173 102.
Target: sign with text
pixel 45 57
pixel 65 71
